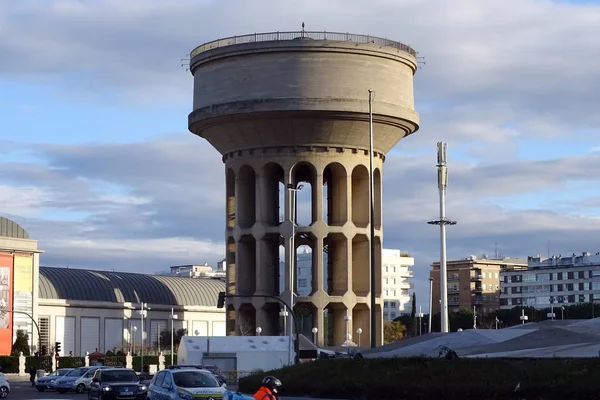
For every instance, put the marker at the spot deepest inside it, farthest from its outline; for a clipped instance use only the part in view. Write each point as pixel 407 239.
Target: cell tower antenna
pixel 442 222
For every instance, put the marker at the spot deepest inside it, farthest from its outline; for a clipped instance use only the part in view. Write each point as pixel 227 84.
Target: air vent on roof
pixel 265 342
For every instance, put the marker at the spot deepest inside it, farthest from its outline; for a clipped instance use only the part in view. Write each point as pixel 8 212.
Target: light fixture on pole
pixel 523 317
pixel 143 311
pixel 442 222
pixel 562 312
pixel 420 316
pixel 430 303
pixel 551 314
pixel 172 317
pixel 359 331
pixel 258 331
pixel 293 195
pixel 283 313
pixel 373 271
pixel 314 331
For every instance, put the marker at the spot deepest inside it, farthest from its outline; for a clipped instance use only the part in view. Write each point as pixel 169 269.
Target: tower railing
pixel 295 35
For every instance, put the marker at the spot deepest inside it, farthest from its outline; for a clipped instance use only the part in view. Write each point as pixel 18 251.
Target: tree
pixel 165 337
pixel 393 331
pixel 413 315
pixel 21 344
pixel 246 326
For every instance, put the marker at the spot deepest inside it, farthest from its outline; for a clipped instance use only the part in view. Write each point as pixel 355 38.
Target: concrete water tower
pixel 288 109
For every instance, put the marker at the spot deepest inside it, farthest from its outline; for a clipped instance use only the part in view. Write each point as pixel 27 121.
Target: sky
pixel 96 161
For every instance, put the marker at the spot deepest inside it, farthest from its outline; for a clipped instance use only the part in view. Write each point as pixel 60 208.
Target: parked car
pixel 47 382
pixel 77 380
pixel 116 383
pixel 184 383
pixel 4 386
pixel 213 369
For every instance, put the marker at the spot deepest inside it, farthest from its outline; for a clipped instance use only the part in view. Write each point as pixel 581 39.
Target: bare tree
pixel 245 325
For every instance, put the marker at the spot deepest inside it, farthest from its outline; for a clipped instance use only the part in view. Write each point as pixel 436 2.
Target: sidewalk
pixel 17 378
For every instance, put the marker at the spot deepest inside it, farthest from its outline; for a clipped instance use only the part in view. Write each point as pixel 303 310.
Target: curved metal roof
pixel 9 228
pixel 123 287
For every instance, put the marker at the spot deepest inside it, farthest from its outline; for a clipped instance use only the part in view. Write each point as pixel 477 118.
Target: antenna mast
pixel 442 222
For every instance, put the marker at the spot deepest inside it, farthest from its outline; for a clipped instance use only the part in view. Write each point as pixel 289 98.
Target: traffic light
pixel 57 347
pixel 221 301
pixel 44 350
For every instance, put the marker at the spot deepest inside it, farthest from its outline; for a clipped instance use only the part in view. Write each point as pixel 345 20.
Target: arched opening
pixel 268 281
pixel 246 197
pixel 230 268
pixel 246 265
pixel 361 322
pixel 361 276
pixel 304 265
pixel 335 199
pixel 304 313
pixel 335 264
pixel 377 197
pixel 378 266
pixel 230 198
pixel 303 177
pixel 360 196
pixel 334 324
pixel 272 204
pixel 246 320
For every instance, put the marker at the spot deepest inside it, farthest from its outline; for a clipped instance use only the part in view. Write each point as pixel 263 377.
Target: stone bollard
pixel 129 360
pixel 87 358
pixel 161 361
pixel 22 360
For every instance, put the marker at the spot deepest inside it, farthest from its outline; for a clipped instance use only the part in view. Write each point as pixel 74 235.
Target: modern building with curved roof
pixel 86 310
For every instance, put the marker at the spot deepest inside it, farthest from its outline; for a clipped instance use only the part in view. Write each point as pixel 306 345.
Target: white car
pixel 4 386
pixel 185 383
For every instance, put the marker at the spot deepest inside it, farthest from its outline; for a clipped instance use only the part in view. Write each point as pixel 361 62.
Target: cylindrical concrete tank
pixel 290 108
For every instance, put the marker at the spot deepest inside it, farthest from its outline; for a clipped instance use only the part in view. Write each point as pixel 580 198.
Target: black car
pixel 117 383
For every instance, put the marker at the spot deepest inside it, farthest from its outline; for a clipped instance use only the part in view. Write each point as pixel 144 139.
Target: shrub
pixel 419 378
pixel 115 361
pixel 46 363
pixel 9 364
pixel 71 362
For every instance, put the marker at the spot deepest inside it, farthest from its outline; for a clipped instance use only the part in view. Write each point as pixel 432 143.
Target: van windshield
pixel 77 372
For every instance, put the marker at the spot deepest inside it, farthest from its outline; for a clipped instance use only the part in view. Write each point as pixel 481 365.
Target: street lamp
pixel 143 311
pixel 562 312
pixel 314 331
pixel 430 303
pixel 258 331
pixel 172 317
pixel 420 316
pixel 283 313
pixel 293 195
pixel 359 331
pixel 347 318
pixel 134 329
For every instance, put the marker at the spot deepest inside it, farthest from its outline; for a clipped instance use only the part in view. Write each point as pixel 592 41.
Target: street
pixel 24 391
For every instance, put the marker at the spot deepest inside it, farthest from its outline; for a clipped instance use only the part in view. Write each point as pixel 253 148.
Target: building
pixel 473 283
pixel 558 280
pixel 289 112
pixel 86 309
pixel 19 267
pixel 197 271
pixel 396 273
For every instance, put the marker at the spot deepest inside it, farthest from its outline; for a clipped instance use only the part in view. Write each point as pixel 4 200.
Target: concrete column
pixel 319 317
pixel 318 283
pixel 317 198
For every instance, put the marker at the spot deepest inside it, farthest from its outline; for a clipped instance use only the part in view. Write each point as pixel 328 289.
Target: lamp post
pixel 293 195
pixel 420 316
pixel 172 317
pixel 347 318
pixel 562 312
pixel 142 312
pixel 258 331
pixel 283 313
pixel 314 331
pixel 359 331
pixel 134 330
pixel 430 303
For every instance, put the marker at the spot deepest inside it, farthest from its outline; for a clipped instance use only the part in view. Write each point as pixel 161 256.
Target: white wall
pixel 106 325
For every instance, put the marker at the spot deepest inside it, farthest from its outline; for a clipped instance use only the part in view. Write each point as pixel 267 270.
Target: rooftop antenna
pixel 442 222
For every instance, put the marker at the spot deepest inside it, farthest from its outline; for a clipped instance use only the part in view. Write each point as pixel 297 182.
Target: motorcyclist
pixel 268 389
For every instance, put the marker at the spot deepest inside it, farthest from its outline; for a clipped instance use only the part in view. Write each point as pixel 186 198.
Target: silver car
pixel 47 382
pixel 77 380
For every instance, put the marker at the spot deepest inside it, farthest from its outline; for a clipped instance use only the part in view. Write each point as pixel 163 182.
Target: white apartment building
pixel 395 275
pixel 555 280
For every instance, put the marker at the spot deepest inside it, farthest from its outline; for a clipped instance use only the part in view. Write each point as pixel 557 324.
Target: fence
pixel 274 36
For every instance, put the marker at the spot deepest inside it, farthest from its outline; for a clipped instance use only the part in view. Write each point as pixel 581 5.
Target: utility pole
pixel 372 224
pixel 442 222
pixel 430 303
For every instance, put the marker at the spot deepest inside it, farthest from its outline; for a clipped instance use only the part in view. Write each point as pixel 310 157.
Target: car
pixel 185 383
pixel 213 369
pixel 47 382
pixel 77 380
pixel 4 386
pixel 116 383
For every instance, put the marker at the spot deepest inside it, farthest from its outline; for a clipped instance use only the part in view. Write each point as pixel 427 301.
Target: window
pixel 394 269
pixel 386 269
pixel 44 323
pixel 392 304
pixel 385 304
pixel 393 281
pixel 159 378
pixel 167 382
pixel 386 293
pixel 119 376
pixel 386 281
pixel 393 315
pixel 385 315
pixel 302 283
pixel 394 293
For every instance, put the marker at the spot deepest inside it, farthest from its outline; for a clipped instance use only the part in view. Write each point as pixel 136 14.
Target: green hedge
pixel 71 362
pixel 421 378
pixel 9 364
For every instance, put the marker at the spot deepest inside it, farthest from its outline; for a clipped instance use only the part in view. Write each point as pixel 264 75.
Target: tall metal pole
pixel 292 194
pixel 372 223
pixel 172 334
pixel 430 303
pixel 442 222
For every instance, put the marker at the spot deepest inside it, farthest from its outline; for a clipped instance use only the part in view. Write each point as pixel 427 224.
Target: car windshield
pixel 119 376
pixel 61 372
pixel 77 372
pixel 194 379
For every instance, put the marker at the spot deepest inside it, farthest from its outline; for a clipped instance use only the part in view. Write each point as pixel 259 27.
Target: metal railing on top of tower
pixel 292 35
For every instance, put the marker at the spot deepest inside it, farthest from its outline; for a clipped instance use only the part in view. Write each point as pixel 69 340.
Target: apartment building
pixel 556 280
pixel 473 282
pixel 396 273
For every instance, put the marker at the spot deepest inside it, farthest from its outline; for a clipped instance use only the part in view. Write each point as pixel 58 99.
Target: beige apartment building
pixel 473 282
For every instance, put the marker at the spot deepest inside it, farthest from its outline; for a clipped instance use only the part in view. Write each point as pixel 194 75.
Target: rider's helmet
pixel 271 383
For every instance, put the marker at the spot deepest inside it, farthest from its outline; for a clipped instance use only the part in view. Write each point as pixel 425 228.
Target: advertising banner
pixel 23 294
pixel 6 268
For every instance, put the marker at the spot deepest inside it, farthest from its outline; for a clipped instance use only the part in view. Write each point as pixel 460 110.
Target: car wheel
pixel 3 392
pixel 80 388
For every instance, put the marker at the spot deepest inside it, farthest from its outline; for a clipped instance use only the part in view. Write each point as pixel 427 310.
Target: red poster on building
pixel 6 303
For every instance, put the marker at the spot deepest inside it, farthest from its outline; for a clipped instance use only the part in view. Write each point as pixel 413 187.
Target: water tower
pixel 287 109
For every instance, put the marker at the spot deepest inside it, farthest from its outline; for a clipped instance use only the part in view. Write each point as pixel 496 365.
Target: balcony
pixel 406 285
pixel 453 290
pixel 453 302
pixel 476 278
pixel 476 290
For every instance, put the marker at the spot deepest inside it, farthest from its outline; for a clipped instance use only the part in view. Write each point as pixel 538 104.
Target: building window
pixel 386 281
pixel 386 293
pixel 386 269
pixel 394 293
pixel 44 323
pixel 393 315
pixel 385 315
pixel 392 304
pixel 394 269
pixel 302 283
pixel 385 304
pixel 393 281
